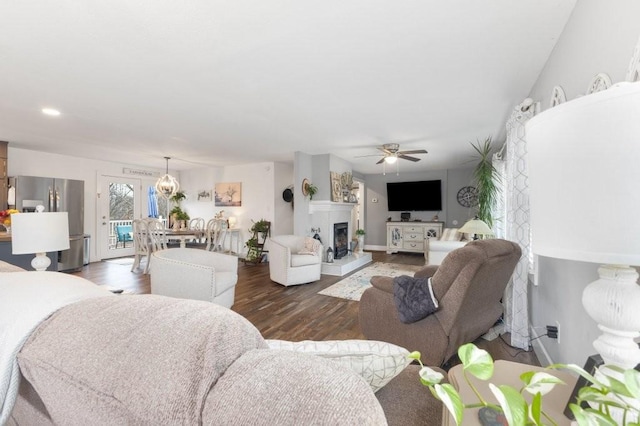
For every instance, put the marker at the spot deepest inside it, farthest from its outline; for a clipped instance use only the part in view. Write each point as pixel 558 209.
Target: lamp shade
pixel 584 168
pixel 39 232
pixel 476 226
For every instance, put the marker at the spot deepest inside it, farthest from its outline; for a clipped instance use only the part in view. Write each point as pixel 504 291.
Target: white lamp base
pixel 612 301
pixel 41 262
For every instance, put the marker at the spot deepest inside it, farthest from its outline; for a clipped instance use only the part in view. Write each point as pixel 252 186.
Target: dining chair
pixel 140 244
pixel 197 223
pixel 214 234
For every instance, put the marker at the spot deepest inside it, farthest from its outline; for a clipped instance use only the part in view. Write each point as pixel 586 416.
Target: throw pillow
pixel 310 246
pixel 376 362
pixel 414 298
pixel 451 234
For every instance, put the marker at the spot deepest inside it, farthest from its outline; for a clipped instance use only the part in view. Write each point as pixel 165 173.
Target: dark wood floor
pixel 290 313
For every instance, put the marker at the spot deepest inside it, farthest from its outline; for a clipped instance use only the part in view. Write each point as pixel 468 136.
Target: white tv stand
pixel 412 236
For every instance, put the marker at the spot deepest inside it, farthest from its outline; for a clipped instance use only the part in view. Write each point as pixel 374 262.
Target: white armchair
pixel 292 262
pixel 195 274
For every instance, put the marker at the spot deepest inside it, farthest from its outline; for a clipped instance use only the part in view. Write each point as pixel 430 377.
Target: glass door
pixel 118 205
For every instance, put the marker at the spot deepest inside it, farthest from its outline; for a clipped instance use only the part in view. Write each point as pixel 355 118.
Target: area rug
pixel 354 285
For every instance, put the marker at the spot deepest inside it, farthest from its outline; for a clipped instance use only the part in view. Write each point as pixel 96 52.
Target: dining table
pixel 183 235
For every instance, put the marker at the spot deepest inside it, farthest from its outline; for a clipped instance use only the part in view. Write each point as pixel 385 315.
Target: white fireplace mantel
pixel 329 206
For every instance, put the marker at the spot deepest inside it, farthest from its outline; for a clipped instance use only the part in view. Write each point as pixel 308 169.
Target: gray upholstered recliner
pixel 468 286
pixel 196 274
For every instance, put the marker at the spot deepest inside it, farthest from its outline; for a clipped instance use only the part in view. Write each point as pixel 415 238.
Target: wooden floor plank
pixel 289 313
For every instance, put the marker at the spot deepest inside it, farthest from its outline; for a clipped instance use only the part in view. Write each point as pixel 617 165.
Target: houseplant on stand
pixel 360 233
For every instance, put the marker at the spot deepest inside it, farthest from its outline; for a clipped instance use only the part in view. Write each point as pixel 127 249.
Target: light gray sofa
pixel 148 360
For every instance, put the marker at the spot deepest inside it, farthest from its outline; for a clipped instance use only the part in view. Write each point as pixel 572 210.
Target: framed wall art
pixel 336 187
pixel 204 195
pixel 228 194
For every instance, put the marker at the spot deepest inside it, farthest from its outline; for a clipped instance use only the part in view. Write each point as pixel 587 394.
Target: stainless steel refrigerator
pixel 56 195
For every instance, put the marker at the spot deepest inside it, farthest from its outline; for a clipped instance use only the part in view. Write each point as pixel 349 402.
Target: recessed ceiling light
pixel 51 111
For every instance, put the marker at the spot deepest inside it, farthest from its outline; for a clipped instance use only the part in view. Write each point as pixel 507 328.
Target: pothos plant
pixel 617 390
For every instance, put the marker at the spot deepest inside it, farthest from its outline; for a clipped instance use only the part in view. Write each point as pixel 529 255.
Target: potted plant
pixel 485 177
pixel 617 390
pixel 178 216
pixel 360 233
pixel 309 189
pixel 259 230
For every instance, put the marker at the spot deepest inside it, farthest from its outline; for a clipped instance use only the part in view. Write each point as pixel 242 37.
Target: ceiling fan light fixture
pixel 390 159
pixel 167 185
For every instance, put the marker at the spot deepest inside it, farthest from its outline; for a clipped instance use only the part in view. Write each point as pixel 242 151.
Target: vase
pixel 360 244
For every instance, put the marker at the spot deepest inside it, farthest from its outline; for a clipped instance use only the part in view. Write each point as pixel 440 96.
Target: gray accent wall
pixel 377 211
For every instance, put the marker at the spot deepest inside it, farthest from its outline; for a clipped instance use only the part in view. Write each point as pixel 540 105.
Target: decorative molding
pixel 633 73
pixel 329 206
pixel 599 83
pixel 557 97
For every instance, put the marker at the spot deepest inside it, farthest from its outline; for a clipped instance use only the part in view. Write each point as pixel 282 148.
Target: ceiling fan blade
pixel 386 151
pixel 368 155
pixel 414 151
pixel 381 160
pixel 406 157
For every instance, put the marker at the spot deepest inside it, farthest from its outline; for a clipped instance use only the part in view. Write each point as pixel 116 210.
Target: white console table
pixel 411 236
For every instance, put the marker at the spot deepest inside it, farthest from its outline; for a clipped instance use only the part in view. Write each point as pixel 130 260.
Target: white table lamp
pixel 232 221
pixel 584 166
pixel 476 227
pixel 39 233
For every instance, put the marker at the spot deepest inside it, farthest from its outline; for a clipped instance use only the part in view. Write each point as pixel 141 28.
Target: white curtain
pixel 513 222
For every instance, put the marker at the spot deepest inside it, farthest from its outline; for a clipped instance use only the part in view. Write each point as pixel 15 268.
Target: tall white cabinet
pixel 412 236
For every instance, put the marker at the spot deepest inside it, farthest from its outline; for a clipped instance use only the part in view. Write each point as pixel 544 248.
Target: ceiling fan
pixel 391 153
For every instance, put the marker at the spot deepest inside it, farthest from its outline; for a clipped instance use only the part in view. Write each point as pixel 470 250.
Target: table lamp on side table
pixel 583 168
pixel 475 227
pixel 39 233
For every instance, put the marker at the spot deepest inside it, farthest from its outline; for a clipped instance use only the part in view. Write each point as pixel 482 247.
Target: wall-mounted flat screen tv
pixel 423 195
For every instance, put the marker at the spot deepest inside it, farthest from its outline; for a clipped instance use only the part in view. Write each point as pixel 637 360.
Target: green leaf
pixel 577 369
pixel 451 399
pixel 430 377
pixel 590 417
pixel 414 355
pixel 596 418
pixel 540 382
pixel 535 409
pixel 618 387
pixel 632 380
pixel 476 361
pixel 512 403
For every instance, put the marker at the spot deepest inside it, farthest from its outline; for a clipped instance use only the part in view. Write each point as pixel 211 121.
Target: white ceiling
pixel 240 81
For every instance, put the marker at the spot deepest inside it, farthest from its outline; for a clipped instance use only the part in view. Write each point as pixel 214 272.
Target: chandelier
pixel 167 185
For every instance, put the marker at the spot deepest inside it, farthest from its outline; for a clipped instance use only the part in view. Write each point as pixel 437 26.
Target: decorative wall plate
pixel 305 184
pixel 599 83
pixel 557 96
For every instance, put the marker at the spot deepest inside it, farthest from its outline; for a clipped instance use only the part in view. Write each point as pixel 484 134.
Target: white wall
pixel 599 37
pixel 34 163
pixel 283 224
pixel 258 186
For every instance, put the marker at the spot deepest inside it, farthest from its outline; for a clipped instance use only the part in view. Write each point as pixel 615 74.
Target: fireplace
pixel 340 239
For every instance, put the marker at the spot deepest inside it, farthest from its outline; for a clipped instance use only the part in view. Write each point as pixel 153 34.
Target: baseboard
pixel 539 349
pixel 375 248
